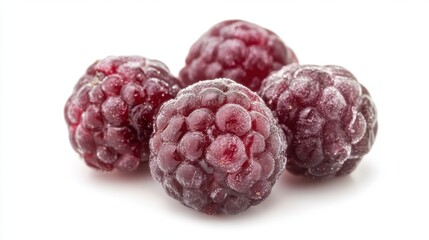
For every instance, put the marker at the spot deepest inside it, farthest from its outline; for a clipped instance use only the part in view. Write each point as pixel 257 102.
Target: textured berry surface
pixel 329 118
pixel 217 148
pixel 111 110
pixel 235 49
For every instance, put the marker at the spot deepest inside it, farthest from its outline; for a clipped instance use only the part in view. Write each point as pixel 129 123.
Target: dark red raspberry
pixel 111 110
pixel 329 118
pixel 217 148
pixel 235 49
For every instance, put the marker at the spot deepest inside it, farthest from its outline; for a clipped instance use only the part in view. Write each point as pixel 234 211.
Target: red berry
pixel 217 148
pixel 111 110
pixel 235 49
pixel 329 118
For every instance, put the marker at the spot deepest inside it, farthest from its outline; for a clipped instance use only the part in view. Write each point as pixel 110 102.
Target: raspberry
pixel 235 49
pixel 217 148
pixel 111 110
pixel 329 118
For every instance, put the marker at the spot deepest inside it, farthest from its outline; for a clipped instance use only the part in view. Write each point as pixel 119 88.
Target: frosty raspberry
pixel 329 118
pixel 111 110
pixel 235 49
pixel 217 148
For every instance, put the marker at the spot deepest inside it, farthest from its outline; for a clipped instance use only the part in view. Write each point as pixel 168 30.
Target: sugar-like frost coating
pixel 217 148
pixel 328 117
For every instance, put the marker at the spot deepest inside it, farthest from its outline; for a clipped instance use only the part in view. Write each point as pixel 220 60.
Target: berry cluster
pixel 218 137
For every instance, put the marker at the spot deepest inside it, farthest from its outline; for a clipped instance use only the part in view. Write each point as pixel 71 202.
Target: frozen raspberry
pixel 239 50
pixel 217 148
pixel 329 118
pixel 111 110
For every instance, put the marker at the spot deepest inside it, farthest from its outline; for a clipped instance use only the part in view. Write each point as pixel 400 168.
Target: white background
pixel 48 193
